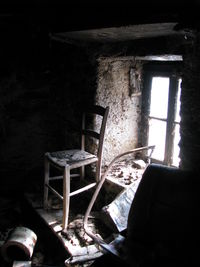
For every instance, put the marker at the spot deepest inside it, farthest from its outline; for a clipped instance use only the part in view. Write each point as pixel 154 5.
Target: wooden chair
pixel 76 159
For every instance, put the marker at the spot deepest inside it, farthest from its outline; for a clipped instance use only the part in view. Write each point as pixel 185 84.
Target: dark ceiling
pixel 76 16
pixel 104 21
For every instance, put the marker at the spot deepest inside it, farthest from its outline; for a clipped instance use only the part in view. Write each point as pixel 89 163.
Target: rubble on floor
pixel 127 171
pixel 81 249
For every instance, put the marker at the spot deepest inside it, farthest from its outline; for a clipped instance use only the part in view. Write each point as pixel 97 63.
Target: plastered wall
pixel 114 90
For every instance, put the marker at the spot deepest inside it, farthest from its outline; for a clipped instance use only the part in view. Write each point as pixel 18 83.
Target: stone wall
pixel 190 107
pixel 114 90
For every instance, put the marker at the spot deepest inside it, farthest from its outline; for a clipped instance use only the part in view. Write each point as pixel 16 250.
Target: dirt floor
pixel 48 250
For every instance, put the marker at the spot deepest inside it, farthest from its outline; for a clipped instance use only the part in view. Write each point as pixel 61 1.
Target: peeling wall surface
pixel 125 107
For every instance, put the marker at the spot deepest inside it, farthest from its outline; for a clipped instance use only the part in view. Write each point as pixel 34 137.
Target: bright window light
pixel 159 97
pixel 162 128
pixel 157 134
pixel 158 109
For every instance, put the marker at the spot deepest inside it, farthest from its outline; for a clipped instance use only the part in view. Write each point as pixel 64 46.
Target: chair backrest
pixel 163 223
pixel 93 112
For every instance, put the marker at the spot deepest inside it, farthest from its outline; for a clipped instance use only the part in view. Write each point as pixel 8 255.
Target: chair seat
pixel 75 158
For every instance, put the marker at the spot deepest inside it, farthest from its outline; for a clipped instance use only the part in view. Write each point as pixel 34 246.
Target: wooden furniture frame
pixel 106 246
pixel 76 159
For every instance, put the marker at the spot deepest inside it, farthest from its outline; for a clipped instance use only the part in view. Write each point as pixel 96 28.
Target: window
pixel 163 116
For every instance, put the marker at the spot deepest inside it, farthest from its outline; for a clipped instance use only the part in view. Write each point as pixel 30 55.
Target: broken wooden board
pixel 76 242
pixel 115 214
pixel 22 264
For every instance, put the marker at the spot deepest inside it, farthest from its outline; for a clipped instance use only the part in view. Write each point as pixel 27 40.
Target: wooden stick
pixel 82 258
pixel 54 191
pixel 87 187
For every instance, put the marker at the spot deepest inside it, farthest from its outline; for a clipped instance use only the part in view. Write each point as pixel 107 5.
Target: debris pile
pixel 127 171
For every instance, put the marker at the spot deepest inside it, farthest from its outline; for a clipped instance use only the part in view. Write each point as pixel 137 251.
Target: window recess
pixel 162 110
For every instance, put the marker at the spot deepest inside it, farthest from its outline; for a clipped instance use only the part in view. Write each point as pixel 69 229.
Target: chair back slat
pixel 99 111
pixel 96 109
pixel 91 133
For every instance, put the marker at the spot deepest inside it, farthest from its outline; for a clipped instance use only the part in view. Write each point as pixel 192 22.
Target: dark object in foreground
pixel 163 222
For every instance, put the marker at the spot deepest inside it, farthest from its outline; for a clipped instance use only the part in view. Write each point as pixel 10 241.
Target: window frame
pixel 162 70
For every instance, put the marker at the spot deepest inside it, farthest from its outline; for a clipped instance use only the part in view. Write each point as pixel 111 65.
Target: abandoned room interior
pixel 135 203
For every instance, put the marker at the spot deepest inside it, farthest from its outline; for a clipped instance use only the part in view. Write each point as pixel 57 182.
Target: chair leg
pixel 46 182
pixel 82 172
pixel 66 197
pixel 98 171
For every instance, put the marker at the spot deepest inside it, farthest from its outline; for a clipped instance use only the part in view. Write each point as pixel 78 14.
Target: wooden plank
pixel 92 253
pixel 116 213
pixel 22 264
pixel 53 219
